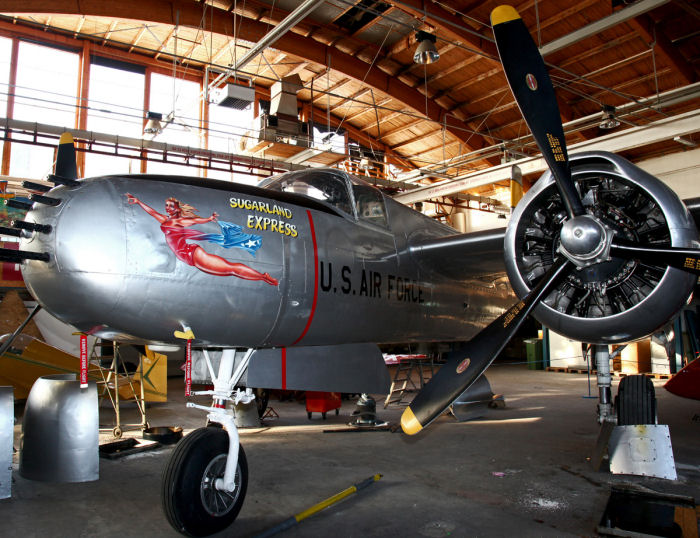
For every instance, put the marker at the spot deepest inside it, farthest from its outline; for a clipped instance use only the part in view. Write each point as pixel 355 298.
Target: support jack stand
pixel 633 511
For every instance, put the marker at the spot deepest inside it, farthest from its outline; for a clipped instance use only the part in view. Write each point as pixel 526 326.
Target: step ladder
pixel 113 378
pixel 403 377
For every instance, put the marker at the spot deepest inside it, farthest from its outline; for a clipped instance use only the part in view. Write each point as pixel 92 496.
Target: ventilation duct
pixel 234 96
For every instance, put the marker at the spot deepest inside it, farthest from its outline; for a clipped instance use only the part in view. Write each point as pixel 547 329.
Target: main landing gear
pixel 205 481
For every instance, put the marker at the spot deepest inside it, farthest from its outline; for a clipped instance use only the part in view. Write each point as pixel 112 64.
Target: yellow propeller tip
pixel 503 14
pixel 66 138
pixel 409 422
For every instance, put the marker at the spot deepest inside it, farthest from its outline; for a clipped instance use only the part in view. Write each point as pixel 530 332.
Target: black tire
pixel 262 398
pixel 186 493
pixel 635 401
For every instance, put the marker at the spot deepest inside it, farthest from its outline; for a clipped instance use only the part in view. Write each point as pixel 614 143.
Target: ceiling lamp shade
pixel 153 125
pixel 609 121
pixel 426 53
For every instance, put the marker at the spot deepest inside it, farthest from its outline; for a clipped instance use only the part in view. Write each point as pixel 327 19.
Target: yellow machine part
pixel 21 368
pixel 155 376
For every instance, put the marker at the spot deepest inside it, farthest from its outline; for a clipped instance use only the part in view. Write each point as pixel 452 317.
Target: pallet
pixel 567 370
pixel 648 374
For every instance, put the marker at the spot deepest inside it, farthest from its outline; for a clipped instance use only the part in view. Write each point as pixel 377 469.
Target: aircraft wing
pixel 693 205
pixel 477 255
pixel 467 256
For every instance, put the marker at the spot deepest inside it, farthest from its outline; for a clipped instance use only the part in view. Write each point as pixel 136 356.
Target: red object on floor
pixel 322 402
pixel 686 382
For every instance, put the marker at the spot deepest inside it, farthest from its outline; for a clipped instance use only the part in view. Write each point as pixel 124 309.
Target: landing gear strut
pixel 205 481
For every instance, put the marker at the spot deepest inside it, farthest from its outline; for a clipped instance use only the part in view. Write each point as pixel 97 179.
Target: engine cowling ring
pixel 612 301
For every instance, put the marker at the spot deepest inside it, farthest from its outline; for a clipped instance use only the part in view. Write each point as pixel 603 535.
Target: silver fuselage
pixel 341 280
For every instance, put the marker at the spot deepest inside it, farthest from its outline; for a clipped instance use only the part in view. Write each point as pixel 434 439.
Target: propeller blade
pixel 533 91
pixel 687 259
pixel 66 167
pixel 466 364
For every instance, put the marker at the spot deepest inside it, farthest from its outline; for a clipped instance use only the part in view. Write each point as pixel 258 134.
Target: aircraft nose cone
pixel 88 252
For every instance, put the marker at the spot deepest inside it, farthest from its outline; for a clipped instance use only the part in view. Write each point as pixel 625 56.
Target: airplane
pixel 298 279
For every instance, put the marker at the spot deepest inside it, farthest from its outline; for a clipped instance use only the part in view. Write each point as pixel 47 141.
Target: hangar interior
pixel 411 97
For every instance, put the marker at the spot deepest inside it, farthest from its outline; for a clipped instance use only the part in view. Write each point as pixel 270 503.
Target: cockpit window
pixel 325 185
pixel 369 204
pixel 333 187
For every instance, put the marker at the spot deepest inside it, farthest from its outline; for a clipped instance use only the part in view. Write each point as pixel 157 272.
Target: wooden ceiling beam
pixel 372 22
pixel 220 53
pixel 645 26
pixel 379 103
pixel 136 39
pixel 402 128
pixel 14 30
pixel 165 42
pixel 298 69
pixel 80 24
pixel 455 67
pixel 435 15
pixel 415 139
pixel 186 13
pixel 566 13
pixel 388 117
pixel 331 89
pixel 441 146
pixel 594 51
pixel 351 98
pixel 106 37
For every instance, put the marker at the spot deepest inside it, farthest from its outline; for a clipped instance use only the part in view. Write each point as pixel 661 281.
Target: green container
pixel 533 351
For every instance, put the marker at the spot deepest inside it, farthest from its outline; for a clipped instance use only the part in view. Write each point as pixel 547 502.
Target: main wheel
pixel 191 502
pixel 635 401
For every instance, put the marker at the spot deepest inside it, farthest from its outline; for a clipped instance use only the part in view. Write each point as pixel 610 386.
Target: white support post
pixel 602 359
pixel 224 387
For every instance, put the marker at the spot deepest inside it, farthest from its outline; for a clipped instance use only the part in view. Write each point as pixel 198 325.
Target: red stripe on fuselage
pixel 313 304
pixel 284 368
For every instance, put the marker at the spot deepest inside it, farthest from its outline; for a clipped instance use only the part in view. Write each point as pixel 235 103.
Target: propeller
pixel 584 240
pixel 466 364
pixel 66 169
pixel 687 259
pixel 530 83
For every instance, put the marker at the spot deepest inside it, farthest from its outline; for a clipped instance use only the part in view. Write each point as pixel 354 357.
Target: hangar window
pixel 115 98
pixel 329 139
pixel 228 130
pixel 5 53
pixel 182 98
pixel 46 92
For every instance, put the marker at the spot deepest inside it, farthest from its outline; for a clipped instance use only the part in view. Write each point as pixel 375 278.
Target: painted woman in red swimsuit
pixel 175 226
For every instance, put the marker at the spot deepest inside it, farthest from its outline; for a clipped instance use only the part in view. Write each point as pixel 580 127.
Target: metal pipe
pixel 46 200
pixel 18 256
pixel 31 226
pixel 271 37
pixel 7 343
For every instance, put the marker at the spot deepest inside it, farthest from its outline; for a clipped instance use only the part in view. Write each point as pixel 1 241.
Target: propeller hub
pixel 585 240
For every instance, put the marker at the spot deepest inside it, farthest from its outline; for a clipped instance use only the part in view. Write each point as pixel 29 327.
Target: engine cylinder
pixel 612 300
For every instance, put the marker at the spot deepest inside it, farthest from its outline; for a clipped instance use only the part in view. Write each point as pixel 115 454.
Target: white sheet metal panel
pixel 7 422
pixel 642 450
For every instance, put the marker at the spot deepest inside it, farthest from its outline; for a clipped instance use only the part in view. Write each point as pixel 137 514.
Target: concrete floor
pixel 518 471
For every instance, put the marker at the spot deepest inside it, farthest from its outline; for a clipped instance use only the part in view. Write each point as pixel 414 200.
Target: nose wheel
pixel 191 500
